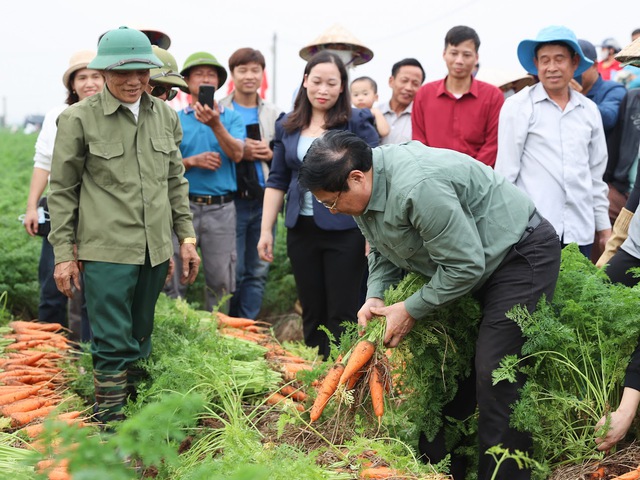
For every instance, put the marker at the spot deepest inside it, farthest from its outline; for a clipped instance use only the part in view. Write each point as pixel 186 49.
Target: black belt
pixel 211 199
pixel 534 220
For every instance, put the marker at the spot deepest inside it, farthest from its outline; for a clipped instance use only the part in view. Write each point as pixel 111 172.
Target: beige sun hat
pixel 505 78
pixel 630 55
pixel 78 61
pixel 340 39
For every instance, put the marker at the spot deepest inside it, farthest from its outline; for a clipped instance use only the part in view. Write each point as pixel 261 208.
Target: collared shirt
pixel 468 124
pixel 558 157
pixel 117 185
pixel 400 124
pixel 442 214
pixel 199 138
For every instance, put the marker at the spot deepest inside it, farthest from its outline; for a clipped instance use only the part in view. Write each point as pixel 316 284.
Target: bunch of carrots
pixel 364 365
pixel 31 382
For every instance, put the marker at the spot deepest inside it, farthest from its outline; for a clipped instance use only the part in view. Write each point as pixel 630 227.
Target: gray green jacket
pixel 442 214
pixel 268 113
pixel 117 185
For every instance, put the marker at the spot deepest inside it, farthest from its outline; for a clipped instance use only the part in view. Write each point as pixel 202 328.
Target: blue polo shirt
pixel 198 138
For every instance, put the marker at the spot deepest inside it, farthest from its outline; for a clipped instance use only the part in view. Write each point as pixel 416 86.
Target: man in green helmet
pixel 163 80
pixel 118 192
pixel 213 143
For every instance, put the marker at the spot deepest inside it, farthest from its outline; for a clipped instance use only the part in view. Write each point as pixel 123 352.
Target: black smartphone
pixel 205 95
pixel 253 131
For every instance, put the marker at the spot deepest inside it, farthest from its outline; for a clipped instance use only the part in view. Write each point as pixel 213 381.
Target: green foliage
pixel 500 455
pixel 438 353
pixel 20 252
pixel 148 438
pixel 576 352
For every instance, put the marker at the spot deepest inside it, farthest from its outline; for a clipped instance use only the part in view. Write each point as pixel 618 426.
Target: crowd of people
pixel 476 186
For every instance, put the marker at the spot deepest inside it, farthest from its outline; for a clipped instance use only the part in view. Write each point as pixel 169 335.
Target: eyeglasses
pixel 159 90
pixel 332 206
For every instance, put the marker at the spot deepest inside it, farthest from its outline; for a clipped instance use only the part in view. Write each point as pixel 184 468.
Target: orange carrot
pixel 378 472
pixel 20 419
pixel 327 388
pixel 18 395
pixel 353 379
pixel 69 415
pixel 24 337
pixel 59 473
pixel 276 398
pixel 293 392
pixel 376 388
pixel 360 355
pixel 23 360
pixel 284 358
pixel 290 370
pixel 25 405
pixel 632 475
pixel 48 327
pixel 236 322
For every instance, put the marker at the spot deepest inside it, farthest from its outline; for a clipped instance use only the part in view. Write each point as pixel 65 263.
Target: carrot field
pixel 229 398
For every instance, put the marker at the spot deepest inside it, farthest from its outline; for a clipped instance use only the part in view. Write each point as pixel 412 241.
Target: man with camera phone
pixel 212 144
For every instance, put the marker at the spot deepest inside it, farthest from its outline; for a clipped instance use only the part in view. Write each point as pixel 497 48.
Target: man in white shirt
pixel 407 76
pixel 551 141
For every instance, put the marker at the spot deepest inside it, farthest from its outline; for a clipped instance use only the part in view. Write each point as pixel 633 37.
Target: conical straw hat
pixel 630 54
pixel 338 38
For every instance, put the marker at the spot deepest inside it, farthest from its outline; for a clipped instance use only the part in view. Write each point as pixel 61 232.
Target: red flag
pixel 264 85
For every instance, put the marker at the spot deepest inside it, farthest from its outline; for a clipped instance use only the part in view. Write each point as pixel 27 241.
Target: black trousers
pixel 618 266
pixel 328 266
pixel 529 270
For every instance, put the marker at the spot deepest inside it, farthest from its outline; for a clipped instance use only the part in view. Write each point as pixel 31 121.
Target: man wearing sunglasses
pixel 163 80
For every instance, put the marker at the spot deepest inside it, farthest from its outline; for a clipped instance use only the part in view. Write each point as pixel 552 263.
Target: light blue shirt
pixel 558 157
pixel 306 208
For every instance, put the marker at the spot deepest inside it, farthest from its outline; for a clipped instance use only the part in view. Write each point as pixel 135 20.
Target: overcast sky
pixel 37 37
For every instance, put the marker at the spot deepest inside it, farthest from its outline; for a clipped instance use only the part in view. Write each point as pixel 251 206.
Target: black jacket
pixel 623 143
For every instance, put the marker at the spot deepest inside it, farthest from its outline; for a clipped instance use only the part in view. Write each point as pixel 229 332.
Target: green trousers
pixel 121 301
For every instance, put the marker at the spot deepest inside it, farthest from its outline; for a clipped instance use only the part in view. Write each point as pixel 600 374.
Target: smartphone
pixel 205 95
pixel 253 131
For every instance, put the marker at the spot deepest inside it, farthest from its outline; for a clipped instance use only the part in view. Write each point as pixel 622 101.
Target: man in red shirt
pixel 459 112
pixel 609 67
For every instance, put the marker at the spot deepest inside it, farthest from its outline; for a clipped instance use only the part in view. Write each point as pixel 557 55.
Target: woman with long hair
pixel 326 249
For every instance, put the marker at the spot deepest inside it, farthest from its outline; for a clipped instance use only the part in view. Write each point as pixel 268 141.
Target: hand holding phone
pixel 205 95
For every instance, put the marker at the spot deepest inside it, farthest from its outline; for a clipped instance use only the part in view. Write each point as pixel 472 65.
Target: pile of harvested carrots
pixel 32 383
pixel 288 364
pixel 364 368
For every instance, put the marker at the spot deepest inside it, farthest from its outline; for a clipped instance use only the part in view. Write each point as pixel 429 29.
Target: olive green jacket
pixel 442 214
pixel 117 185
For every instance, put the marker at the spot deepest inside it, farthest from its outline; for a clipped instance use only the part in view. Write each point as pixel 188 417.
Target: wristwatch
pixel 191 240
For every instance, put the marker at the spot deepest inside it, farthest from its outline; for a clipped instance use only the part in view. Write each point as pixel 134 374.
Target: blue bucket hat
pixel 527 48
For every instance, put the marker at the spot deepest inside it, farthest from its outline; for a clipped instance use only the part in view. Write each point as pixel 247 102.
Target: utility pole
pixel 273 70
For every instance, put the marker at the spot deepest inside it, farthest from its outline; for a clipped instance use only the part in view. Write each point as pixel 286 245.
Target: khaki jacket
pixel 117 186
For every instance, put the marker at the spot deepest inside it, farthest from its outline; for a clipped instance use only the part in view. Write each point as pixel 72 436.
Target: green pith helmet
pixel 204 58
pixel 168 73
pixel 125 49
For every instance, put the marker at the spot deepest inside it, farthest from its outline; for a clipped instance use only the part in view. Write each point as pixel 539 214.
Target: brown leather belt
pixel 211 199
